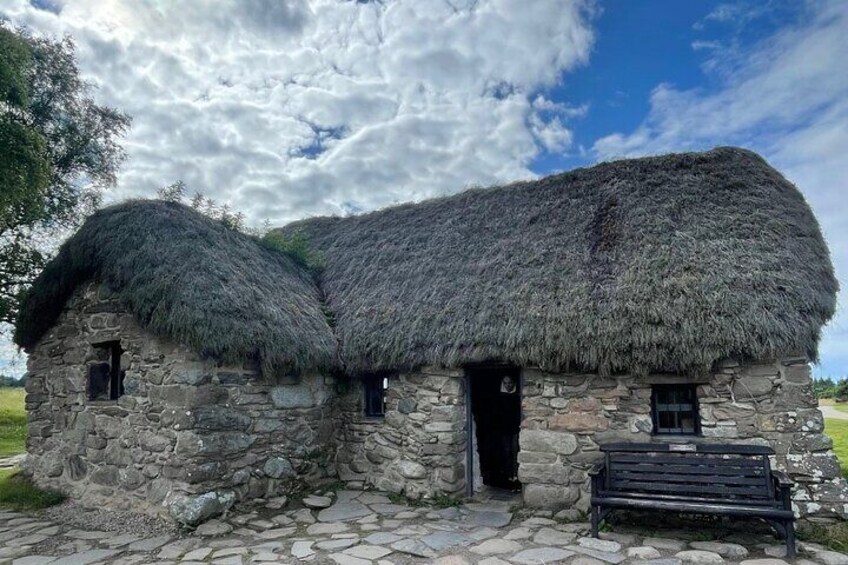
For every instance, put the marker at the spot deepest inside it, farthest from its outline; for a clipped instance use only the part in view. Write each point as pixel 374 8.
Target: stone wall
pixel 188 436
pixel 567 416
pixel 418 448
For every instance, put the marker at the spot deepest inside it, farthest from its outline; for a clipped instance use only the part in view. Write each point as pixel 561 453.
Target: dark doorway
pixel 496 409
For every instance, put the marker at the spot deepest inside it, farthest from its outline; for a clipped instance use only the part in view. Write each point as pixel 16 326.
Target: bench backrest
pixel 707 472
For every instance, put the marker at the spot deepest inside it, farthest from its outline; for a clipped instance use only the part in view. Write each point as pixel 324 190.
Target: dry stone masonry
pixel 566 417
pixel 188 434
pixel 190 438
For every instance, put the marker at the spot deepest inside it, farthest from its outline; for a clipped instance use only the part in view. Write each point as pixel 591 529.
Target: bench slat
pixel 743 502
pixel 707 479
pixel 719 492
pixel 699 508
pixel 688 459
pixel 688 469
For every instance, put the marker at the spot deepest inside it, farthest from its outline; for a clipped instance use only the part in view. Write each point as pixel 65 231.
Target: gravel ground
pixel 72 514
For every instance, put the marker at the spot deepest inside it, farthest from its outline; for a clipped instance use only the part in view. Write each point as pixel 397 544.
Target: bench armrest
pixel 781 479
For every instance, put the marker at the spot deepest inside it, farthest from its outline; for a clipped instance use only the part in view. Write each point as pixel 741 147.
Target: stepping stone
pixel 492 561
pixel 265 557
pixel 550 536
pixel 213 528
pixel 777 551
pixel 149 544
pixel 382 538
pixel 33 560
pixel 367 551
pixel 86 557
pixel 232 560
pixel 121 540
pixel 623 539
pixel 496 547
pixel 198 554
pixel 519 533
pixel 536 521
pixel 88 535
pixel 664 543
pixel 406 515
pixel 343 511
pixel 606 556
pixel 326 528
pixel 302 550
pixel 177 548
pixel 444 540
pixel 26 540
pixel 276 503
pixel 261 524
pixel 453 560
pixel 304 516
pixel 664 561
pixel 600 545
pixel 451 513
pixel 275 533
pixel 541 555
pixel 390 508
pixel 764 562
pixel 347 495
pixel 483 533
pixel 317 501
pixel 831 557
pixel 491 519
pixel 585 560
pixel 343 559
pixel 643 552
pixel 337 544
pixel 699 557
pixel 282 520
pixel 730 550
pixel 373 498
pixel 413 547
pixel 229 552
pixel 51 531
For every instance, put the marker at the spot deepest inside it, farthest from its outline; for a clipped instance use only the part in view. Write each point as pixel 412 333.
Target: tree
pixel 58 151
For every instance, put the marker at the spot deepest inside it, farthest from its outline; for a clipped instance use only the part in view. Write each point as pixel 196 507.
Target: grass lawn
pixel 12 421
pixel 838 432
pixel 17 493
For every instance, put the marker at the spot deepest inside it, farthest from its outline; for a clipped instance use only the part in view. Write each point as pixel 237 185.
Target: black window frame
pixel 116 374
pixel 374 395
pixel 692 390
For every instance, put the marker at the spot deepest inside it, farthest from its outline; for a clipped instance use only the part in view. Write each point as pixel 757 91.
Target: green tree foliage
pixel 58 150
pixel 824 387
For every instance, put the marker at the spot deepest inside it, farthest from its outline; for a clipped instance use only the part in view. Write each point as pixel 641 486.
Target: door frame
pixel 469 416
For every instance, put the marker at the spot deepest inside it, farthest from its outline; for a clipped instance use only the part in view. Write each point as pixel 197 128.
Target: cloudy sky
pixel 285 109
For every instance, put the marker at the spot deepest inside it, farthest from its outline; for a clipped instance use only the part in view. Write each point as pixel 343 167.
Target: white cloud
pixel 285 109
pixel 787 98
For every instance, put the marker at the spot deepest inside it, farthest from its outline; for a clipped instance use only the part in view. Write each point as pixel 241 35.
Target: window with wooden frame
pixel 375 387
pixel 105 375
pixel 674 409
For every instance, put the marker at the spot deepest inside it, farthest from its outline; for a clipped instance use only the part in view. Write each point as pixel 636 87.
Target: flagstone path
pixel 367 528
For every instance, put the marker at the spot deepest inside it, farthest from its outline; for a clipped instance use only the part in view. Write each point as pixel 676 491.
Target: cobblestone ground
pixel 366 528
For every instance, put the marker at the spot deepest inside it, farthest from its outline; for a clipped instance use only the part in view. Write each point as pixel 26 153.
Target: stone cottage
pixel 490 339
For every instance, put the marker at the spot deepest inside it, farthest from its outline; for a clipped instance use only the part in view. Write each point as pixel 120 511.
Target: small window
pixel 105 375
pixel 675 409
pixel 375 395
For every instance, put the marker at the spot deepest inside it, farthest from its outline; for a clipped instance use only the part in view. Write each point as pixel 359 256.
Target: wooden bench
pixel 727 480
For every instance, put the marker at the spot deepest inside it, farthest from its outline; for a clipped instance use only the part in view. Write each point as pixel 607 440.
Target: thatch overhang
pixel 190 279
pixel 666 263
pixel 663 263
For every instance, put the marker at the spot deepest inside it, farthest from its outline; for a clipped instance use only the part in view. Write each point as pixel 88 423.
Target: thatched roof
pixel 192 280
pixel 663 263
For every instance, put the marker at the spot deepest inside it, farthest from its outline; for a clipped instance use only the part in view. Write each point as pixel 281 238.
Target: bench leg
pixel 596 518
pixel 790 539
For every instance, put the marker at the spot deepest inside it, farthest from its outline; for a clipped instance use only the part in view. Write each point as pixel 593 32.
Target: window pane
pixel 674 408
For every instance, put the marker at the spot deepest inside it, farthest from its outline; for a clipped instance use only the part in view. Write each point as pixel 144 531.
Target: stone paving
pixel 367 528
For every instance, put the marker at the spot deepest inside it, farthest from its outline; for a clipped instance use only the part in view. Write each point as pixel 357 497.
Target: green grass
pixel 17 493
pixel 12 421
pixel 838 432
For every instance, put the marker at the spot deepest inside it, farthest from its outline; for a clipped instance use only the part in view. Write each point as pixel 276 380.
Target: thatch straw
pixel 192 280
pixel 663 263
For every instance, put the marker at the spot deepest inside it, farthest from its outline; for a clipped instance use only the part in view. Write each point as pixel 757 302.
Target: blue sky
pixel 290 108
